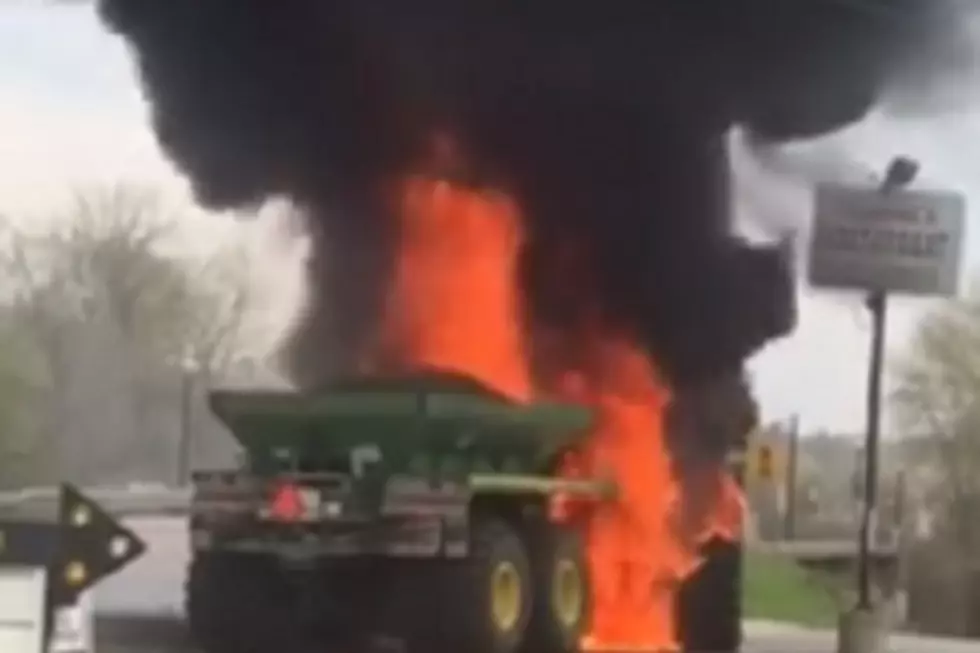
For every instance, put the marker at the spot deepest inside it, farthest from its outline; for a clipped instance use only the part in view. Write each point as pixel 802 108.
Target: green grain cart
pixel 410 510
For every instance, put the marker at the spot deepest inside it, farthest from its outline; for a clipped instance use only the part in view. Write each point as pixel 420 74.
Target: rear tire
pixel 486 598
pixel 240 603
pixel 562 593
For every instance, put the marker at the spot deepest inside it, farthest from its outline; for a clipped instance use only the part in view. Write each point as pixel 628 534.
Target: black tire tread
pixel 236 603
pixel 465 605
pixel 545 542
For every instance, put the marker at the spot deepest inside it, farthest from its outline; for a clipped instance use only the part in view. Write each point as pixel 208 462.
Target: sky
pixel 71 115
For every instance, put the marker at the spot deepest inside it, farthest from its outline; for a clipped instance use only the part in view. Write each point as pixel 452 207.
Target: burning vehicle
pixel 429 508
pixel 423 508
pixel 535 197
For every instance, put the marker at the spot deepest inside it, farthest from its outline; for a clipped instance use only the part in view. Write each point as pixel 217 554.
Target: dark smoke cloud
pixel 608 121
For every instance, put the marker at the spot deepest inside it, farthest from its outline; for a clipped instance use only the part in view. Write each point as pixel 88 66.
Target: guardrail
pixel 124 501
pixel 813 549
pixel 143 499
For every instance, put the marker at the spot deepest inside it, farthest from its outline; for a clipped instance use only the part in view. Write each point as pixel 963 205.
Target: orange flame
pixel 636 556
pixel 453 303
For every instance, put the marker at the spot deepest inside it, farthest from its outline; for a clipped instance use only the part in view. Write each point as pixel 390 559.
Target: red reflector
pixel 287 504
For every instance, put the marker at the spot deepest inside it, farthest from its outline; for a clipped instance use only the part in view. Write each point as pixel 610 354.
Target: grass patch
pixel 777 589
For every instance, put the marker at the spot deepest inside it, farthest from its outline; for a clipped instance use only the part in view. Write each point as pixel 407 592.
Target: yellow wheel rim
pixel 506 598
pixel 567 592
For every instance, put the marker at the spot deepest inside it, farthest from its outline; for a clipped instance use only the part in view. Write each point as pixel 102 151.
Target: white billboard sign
pixel 23 592
pixel 901 241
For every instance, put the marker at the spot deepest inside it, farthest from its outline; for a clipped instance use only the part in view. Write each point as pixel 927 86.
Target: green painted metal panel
pixel 544 485
pixel 434 425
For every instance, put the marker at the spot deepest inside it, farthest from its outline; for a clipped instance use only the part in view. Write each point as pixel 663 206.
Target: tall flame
pixel 636 555
pixel 453 303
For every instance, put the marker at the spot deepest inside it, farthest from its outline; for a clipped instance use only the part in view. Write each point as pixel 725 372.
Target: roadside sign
pixel 901 241
pixel 47 570
pixel 23 627
pixel 22 601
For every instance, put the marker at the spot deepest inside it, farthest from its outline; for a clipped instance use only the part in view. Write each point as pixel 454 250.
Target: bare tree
pixel 113 312
pixel 17 445
pixel 215 325
pixel 937 404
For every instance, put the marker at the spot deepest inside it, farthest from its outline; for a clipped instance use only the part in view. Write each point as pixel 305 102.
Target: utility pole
pixel 904 536
pixel 188 372
pixel 792 465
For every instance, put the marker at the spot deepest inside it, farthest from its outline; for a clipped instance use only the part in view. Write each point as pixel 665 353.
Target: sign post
pixel 73 628
pixel 882 241
pixel 792 469
pixel 48 567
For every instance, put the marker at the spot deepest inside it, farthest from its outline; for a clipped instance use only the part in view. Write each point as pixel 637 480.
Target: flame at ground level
pixel 636 553
pixel 453 302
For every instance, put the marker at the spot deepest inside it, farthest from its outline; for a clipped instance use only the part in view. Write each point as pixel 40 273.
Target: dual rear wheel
pixel 522 589
pixel 563 594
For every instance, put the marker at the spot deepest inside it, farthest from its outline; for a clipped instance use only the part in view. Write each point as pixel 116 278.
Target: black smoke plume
pixel 606 119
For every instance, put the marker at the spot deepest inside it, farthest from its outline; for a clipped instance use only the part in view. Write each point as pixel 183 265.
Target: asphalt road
pixel 160 638
pixel 140 608
pixel 153 585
